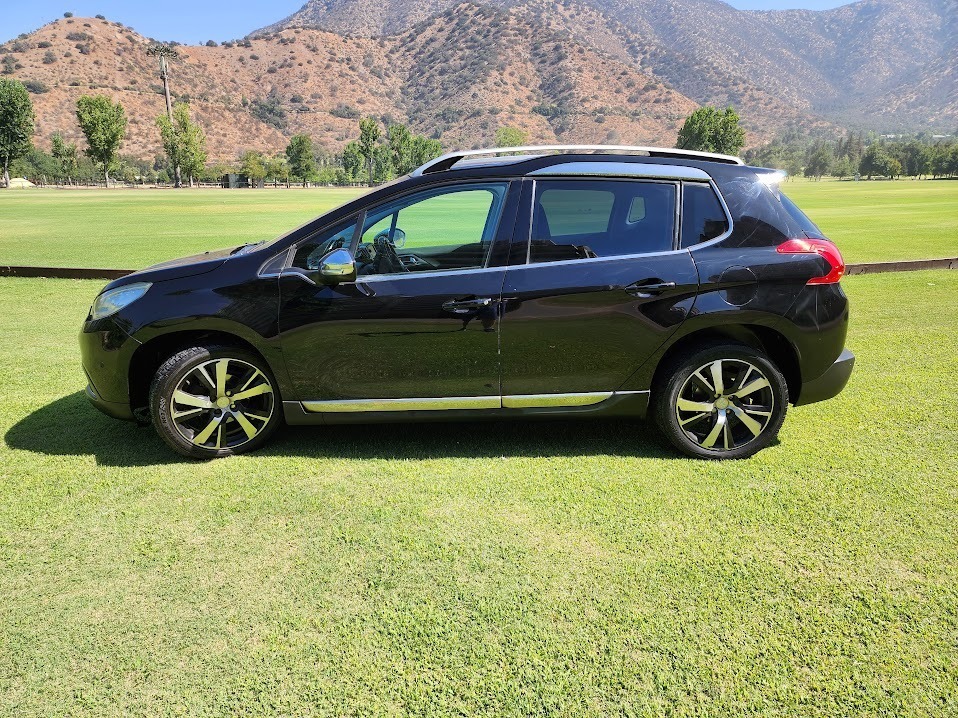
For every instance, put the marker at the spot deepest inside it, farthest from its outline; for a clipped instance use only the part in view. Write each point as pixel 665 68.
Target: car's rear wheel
pixel 214 401
pixel 720 402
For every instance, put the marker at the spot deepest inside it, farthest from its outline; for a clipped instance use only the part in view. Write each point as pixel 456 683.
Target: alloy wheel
pixel 725 404
pixel 222 404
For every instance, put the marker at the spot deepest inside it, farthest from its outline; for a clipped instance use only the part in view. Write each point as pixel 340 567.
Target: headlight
pixel 114 300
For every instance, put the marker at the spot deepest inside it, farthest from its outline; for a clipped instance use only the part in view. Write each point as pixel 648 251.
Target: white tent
pixel 19 183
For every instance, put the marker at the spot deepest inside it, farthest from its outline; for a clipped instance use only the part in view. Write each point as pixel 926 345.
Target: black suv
pixel 516 282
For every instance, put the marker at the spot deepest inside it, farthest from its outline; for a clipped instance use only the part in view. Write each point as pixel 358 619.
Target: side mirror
pixel 337 266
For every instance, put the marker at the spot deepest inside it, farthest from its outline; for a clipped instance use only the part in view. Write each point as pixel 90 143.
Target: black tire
pixel 188 371
pixel 702 433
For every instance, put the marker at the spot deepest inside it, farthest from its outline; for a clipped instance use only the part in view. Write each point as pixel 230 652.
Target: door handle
pixel 463 306
pixel 648 288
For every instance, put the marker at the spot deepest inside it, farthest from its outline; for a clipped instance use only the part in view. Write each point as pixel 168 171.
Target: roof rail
pixel 446 162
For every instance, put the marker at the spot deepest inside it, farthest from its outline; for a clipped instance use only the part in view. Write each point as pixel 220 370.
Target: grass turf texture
pixel 130 229
pixel 485 569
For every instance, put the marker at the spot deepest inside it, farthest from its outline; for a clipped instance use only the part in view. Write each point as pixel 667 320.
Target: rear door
pixel 596 285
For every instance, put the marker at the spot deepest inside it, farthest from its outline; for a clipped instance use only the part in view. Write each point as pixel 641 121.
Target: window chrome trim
pixel 512 401
pixel 622 169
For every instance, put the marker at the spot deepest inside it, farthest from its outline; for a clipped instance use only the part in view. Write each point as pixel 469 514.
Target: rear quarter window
pixel 703 217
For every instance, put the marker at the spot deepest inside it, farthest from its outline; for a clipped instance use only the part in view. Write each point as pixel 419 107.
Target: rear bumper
pixel 830 383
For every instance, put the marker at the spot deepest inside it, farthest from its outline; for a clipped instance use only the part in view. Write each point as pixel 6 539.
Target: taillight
pixel 823 248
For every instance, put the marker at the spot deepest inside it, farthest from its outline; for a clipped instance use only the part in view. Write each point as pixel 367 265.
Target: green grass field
pixel 130 229
pixel 485 569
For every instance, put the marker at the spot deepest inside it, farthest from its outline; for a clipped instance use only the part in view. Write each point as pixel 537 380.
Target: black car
pixel 517 282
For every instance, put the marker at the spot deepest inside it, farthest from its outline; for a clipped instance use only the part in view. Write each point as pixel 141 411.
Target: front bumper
pixel 117 410
pixel 830 383
pixel 105 351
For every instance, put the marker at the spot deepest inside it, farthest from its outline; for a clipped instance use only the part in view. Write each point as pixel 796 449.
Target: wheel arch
pixel 150 355
pixel 766 339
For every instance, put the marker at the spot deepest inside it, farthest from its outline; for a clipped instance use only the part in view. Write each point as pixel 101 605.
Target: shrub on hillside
pixel 79 37
pixel 36 87
pixel 49 58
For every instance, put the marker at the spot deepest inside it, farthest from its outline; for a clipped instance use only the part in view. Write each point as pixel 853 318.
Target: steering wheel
pixel 387 260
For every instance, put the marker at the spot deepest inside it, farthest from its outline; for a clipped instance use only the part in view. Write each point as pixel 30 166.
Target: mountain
pixel 458 76
pixel 608 71
pixel 837 63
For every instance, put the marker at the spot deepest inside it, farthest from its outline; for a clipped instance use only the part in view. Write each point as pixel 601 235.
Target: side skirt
pixel 543 406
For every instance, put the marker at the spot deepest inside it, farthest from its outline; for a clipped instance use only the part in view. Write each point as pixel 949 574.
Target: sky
pixel 196 21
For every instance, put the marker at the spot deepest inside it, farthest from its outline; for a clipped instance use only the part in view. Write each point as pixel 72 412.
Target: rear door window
pixel 584 219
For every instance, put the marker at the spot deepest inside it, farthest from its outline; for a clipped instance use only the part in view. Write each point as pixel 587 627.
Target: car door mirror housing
pixel 337 266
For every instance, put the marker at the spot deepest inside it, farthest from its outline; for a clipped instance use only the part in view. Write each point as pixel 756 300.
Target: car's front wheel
pixel 720 402
pixel 212 401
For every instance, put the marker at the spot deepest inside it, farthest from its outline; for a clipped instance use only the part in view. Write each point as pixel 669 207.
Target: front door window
pixel 442 229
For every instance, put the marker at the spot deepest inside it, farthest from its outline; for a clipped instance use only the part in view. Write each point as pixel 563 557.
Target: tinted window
pixel 601 218
pixel 702 215
pixel 807 225
pixel 448 228
pixel 315 248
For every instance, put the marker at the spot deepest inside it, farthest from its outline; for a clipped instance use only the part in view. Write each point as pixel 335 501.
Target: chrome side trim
pixel 528 401
pixel 622 169
pixel 419 404
pixel 514 401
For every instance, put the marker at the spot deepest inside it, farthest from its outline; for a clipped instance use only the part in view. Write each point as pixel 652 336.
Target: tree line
pixel 863 155
pixel 382 151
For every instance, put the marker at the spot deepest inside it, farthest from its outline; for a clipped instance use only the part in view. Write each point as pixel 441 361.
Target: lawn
pixel 485 569
pixel 130 229
pixel 883 221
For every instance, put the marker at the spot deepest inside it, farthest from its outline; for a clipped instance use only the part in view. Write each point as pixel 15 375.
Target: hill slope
pixel 458 76
pixel 837 62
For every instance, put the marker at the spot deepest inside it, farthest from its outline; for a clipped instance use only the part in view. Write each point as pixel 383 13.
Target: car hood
pixel 177 268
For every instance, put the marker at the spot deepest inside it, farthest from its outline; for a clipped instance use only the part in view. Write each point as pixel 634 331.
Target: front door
pixel 601 288
pixel 420 322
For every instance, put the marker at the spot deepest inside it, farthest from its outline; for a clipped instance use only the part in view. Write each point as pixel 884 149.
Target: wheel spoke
pixel 752 388
pixel 765 411
pixel 206 378
pixel 252 377
pixel 700 406
pixel 749 422
pixel 179 415
pixel 720 422
pixel 693 419
pixel 717 380
pixel 205 435
pixel 263 388
pixel 703 382
pixel 221 367
pixel 202 402
pixel 241 419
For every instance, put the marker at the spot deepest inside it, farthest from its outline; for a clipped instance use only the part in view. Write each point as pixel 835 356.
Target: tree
pixel 915 158
pixel 382 166
pixel 277 168
pixel 253 165
pixel 16 124
pixel 819 162
pixel 877 161
pixel 184 143
pixel 353 162
pixel 299 155
pixel 842 168
pixel 424 149
pixel 65 156
pixel 104 124
pixel 511 137
pixel 708 130
pixel 401 148
pixel 369 134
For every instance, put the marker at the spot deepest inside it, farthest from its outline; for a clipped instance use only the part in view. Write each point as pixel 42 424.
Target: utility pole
pixel 162 52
